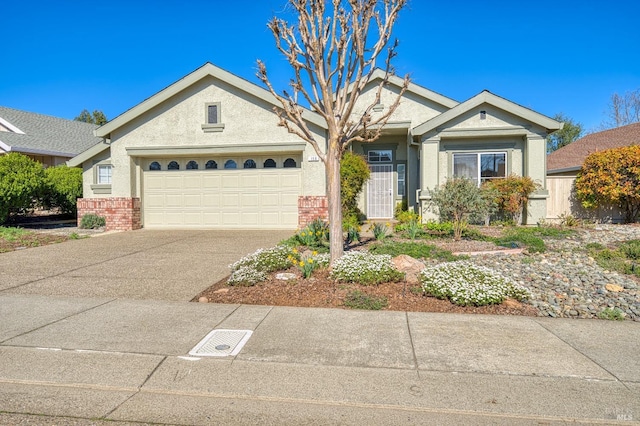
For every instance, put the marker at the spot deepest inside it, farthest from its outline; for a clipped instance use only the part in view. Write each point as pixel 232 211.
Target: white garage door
pixel 245 198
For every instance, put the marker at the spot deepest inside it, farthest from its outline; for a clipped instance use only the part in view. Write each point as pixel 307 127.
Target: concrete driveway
pixel 161 265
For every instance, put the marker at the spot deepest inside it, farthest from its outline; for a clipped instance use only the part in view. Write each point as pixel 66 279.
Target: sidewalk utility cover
pixel 222 343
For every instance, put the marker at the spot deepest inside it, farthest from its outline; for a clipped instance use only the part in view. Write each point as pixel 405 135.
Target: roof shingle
pixel 46 134
pixel 573 155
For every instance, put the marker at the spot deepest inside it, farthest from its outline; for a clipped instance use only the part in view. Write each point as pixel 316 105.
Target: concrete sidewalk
pixel 89 359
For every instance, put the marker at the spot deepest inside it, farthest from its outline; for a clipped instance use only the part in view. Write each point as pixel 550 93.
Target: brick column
pixel 311 208
pixel 121 213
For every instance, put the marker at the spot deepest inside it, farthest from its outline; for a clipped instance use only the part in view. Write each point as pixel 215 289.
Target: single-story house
pixel 206 152
pixel 50 140
pixel 564 164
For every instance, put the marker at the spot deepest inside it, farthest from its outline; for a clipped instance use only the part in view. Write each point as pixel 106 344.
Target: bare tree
pixel 623 109
pixel 333 50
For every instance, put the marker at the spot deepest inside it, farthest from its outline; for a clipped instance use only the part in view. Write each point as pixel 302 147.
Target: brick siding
pixel 121 214
pixel 311 208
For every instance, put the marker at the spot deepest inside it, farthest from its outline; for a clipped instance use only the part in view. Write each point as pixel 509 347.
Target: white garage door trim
pixel 243 198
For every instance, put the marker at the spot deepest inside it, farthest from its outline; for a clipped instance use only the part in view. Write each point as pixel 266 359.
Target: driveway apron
pixel 160 265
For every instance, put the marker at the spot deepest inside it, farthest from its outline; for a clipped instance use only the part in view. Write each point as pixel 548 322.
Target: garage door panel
pixel 270 200
pixel 221 198
pixel 270 218
pixel 289 200
pixel 231 201
pixel 250 201
pixel 290 181
pixel 230 219
pixel 210 200
pixel 192 218
pixel 173 200
pixel 250 218
pixel 270 181
pixel 192 200
pixel 250 181
pixel 173 218
pixel 211 181
pixel 230 182
pixel 173 182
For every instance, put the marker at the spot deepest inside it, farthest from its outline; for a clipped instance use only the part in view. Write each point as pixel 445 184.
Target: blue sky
pixel 60 57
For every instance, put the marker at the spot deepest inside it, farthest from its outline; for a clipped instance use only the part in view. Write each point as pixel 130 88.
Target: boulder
pixel 410 266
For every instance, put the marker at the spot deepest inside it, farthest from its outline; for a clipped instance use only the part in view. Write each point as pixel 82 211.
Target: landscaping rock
pixel 410 266
pixel 286 276
pixel 203 299
pixel 614 288
pixel 566 282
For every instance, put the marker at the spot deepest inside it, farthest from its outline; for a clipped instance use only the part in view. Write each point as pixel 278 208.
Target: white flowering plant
pixel 466 284
pixel 365 268
pixel 254 267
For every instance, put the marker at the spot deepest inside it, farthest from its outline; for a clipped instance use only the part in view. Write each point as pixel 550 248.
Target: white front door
pixel 380 192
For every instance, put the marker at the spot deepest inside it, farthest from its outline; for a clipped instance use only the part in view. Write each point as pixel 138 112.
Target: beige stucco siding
pixel 412 107
pixel 177 122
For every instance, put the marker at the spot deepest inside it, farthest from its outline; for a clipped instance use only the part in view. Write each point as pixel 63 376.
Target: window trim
pixel 97 187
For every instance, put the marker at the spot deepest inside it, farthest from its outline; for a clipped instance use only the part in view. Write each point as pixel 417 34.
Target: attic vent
pixel 483 115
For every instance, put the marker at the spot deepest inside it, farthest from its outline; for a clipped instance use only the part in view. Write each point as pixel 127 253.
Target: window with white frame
pixel 480 166
pixel 104 174
pixel 379 156
pixel 402 177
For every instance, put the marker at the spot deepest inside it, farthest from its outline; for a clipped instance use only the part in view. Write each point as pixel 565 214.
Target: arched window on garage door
pixel 290 162
pixel 192 165
pixel 269 163
pixel 173 165
pixel 249 164
pixel 155 166
pixel 230 164
pixel 211 165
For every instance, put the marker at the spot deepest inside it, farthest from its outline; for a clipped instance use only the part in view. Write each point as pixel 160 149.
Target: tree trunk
pixel 335 203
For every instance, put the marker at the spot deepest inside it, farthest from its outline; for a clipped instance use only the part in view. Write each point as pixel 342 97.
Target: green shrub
pixel 531 238
pixel 12 234
pixel 379 230
pixel 439 228
pixel 415 250
pixel 314 235
pixel 351 225
pixel 466 284
pixel 354 173
pixel 92 221
pixel 359 300
pixel 63 186
pixel 461 201
pixel 21 184
pixel 631 249
pixel 511 194
pixel 614 314
pixel 365 268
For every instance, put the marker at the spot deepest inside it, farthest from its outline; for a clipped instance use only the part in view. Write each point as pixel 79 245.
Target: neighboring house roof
pixel 570 157
pixel 486 97
pixel 31 133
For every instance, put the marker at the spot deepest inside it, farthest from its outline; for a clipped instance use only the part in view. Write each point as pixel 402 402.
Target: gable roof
pixel 206 70
pixel 33 133
pixel 378 74
pixel 486 97
pixel 570 157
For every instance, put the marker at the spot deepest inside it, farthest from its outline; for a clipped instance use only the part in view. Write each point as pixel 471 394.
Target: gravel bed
pixel 566 282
